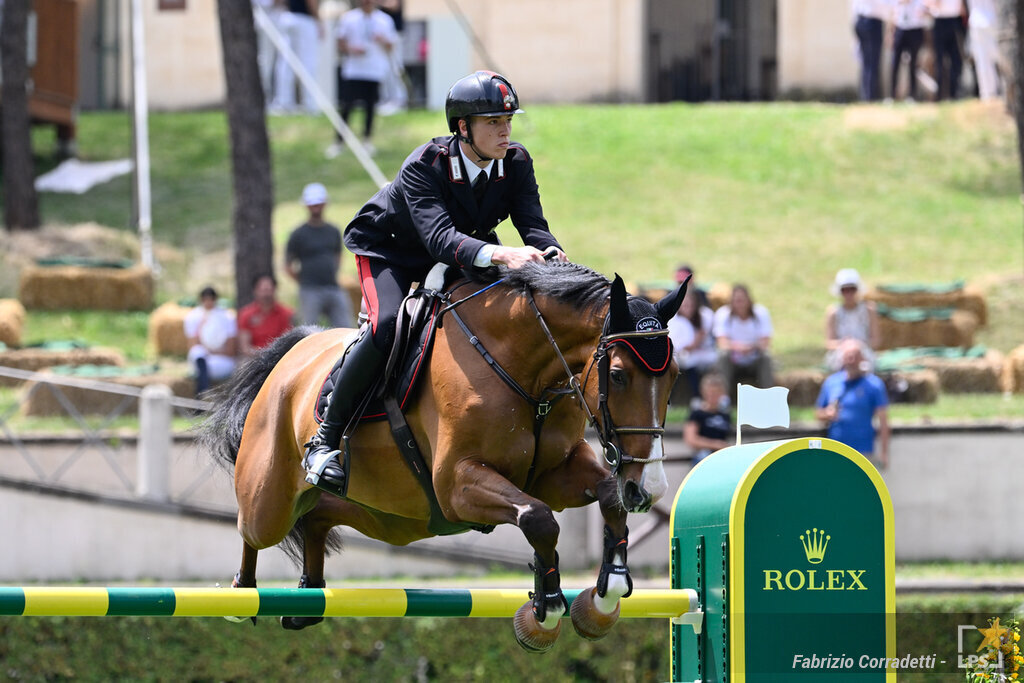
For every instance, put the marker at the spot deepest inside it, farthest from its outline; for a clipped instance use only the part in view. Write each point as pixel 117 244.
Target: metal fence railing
pixel 87 448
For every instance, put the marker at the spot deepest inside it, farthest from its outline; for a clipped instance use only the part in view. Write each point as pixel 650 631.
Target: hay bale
pixel 719 295
pixel 41 400
pixel 968 298
pixel 12 321
pixel 167 330
pixel 1013 371
pixel 354 291
pixel 52 288
pixel 968 375
pixel 919 386
pixel 804 385
pixel 34 360
pixel 957 329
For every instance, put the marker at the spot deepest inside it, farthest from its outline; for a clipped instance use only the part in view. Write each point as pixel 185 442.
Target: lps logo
pixel 815 544
pixel 993 636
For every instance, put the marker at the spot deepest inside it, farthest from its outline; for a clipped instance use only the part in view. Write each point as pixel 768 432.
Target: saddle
pixel 418 320
pixel 414 337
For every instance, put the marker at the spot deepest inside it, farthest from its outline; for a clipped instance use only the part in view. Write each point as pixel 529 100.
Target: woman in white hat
pixel 851 318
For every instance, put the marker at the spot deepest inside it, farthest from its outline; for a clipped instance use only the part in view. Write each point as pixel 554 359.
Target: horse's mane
pixel 570 283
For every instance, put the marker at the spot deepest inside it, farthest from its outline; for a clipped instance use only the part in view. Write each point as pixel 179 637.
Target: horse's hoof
pixel 299 623
pixel 590 622
pixel 239 620
pixel 530 635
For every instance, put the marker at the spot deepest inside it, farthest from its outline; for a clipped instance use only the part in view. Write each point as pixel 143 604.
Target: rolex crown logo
pixel 815 542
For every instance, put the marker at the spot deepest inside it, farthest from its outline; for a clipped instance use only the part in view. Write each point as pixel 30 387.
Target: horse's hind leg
pixel 246 576
pixel 314 528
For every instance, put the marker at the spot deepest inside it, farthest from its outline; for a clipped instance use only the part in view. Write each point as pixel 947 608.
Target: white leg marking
pixel 520 511
pixel 617 587
pixel 551 620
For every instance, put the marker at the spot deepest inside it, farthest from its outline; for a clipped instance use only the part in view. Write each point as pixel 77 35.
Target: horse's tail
pixel 221 432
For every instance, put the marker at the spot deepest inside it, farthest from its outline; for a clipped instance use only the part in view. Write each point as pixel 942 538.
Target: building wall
pixel 816 46
pixel 183 55
pixel 571 50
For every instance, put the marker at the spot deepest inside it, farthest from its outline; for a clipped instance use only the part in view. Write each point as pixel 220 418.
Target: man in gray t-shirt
pixel 313 257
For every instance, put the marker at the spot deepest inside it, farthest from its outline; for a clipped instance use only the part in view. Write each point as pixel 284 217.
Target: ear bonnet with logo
pixel 631 315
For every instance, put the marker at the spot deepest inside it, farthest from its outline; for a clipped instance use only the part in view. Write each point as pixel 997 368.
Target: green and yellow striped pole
pixel 308 602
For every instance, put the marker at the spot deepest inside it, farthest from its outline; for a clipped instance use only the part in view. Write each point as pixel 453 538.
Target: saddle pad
pixel 407 373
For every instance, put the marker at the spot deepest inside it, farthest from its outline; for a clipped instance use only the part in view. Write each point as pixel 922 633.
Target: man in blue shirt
pixel 850 400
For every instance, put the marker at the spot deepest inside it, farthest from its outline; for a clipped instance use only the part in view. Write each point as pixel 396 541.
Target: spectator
pixel 851 400
pixel 299 24
pixel 212 339
pixel 313 258
pixel 263 320
pixel 869 16
pixel 266 55
pixel 683 271
pixel 365 36
pixel 909 21
pixel 394 92
pixel 983 27
pixel 709 424
pixel 851 318
pixel 947 33
pixel 743 332
pixel 692 343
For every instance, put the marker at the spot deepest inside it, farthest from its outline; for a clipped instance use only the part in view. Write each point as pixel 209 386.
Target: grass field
pixel 779 196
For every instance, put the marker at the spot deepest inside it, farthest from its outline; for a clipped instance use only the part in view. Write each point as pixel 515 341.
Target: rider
pixel 444 205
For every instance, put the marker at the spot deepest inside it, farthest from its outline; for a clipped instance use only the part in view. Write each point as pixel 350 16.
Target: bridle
pixel 608 432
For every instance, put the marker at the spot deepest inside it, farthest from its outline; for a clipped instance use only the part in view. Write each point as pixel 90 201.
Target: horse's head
pixel 635 376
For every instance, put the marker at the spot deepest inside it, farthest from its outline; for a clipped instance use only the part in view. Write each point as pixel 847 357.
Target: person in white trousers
pixel 300 26
pixel 982 25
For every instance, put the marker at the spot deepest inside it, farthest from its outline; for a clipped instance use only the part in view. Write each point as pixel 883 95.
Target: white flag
pixel 762 408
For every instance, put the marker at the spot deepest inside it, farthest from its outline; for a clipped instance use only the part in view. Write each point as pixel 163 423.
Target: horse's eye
pixel 618 377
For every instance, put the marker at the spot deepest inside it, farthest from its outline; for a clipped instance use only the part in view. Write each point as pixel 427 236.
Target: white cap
pixel 845 278
pixel 314 193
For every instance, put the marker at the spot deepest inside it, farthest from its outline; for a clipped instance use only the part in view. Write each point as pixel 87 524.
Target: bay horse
pixel 520 363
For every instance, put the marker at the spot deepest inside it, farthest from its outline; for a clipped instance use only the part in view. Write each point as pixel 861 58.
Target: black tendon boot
pixel 362 364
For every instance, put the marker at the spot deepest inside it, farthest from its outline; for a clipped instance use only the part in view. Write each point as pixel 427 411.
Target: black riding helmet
pixel 484 93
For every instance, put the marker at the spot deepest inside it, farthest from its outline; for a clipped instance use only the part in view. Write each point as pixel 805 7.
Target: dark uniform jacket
pixel 430 213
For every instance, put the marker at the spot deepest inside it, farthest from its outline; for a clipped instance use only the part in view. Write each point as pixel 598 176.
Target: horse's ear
pixel 618 308
pixel 668 306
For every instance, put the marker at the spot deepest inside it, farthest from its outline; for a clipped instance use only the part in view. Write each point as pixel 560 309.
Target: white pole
pixel 154 445
pixel 351 139
pixel 140 100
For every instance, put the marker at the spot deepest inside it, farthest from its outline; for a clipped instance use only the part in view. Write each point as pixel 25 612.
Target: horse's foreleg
pixel 594 612
pixel 480 494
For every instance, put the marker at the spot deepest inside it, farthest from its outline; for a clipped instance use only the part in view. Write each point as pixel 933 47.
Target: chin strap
pixel 468 139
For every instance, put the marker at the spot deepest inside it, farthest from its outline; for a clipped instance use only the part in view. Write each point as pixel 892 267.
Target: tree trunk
pixel 1013 47
pixel 21 205
pixel 250 148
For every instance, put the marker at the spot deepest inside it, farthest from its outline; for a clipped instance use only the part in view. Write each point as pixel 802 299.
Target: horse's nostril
pixel 635 498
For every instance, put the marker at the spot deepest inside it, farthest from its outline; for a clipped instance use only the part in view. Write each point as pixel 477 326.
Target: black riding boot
pixel 363 363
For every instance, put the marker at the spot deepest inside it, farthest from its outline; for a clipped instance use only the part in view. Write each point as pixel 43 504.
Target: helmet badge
pixel 506 97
